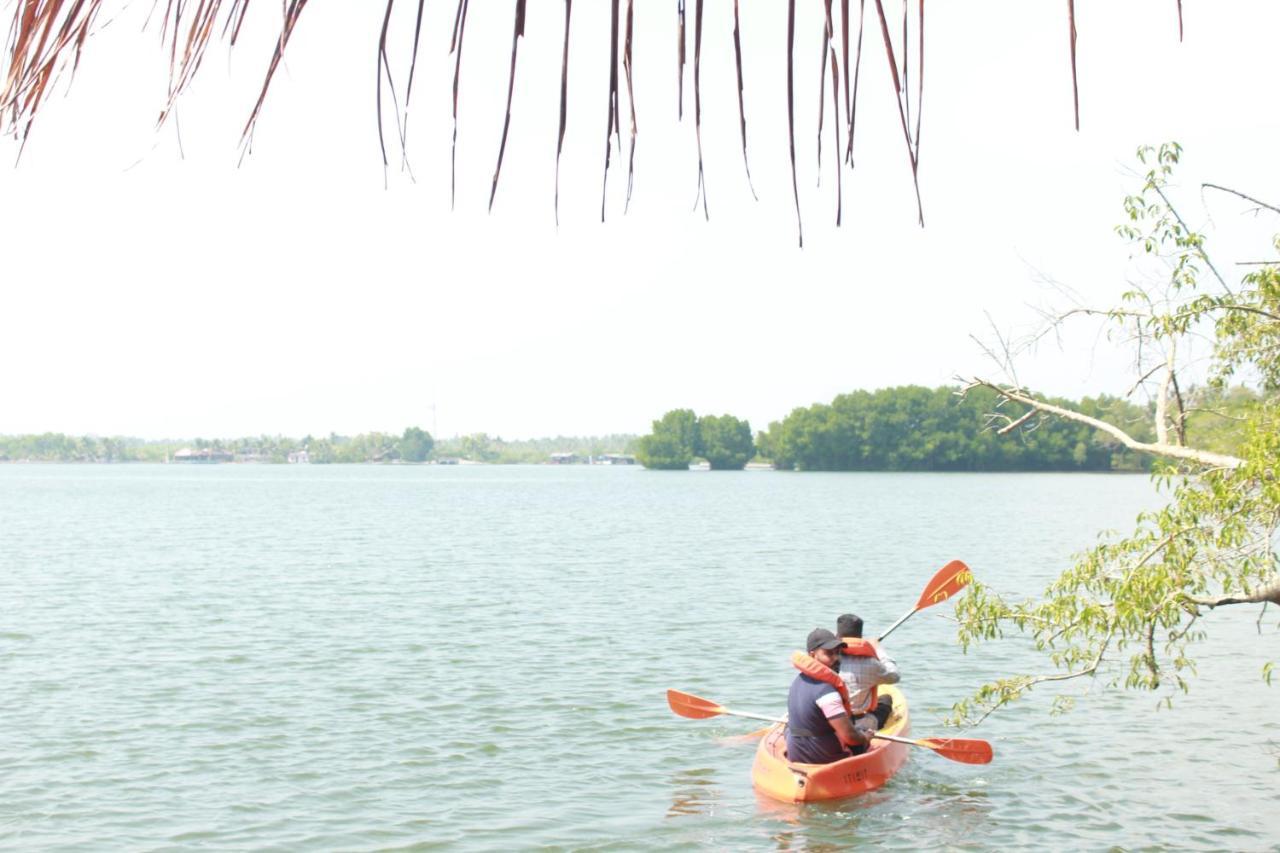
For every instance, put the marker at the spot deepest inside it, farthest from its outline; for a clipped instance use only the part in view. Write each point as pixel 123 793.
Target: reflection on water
pixel 695 793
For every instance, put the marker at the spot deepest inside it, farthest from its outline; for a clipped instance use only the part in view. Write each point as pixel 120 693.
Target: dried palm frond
pixel 47 38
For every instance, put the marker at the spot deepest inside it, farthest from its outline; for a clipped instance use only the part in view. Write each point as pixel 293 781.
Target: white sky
pixel 144 293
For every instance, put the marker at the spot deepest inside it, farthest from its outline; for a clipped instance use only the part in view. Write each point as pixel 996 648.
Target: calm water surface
pixel 362 658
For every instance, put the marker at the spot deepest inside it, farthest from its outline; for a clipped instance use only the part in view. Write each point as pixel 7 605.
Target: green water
pixel 358 658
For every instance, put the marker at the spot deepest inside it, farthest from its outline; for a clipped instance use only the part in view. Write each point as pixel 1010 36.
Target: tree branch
pixel 1032 681
pixel 1201 457
pixel 1268 592
pixel 1162 404
pixel 1241 195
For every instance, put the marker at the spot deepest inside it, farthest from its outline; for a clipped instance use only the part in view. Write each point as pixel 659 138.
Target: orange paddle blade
pixel 949 580
pixel 693 707
pixel 964 750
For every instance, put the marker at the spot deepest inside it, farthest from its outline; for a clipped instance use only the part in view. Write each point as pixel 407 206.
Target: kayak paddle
pixel 949 580
pixel 697 708
pixel 964 750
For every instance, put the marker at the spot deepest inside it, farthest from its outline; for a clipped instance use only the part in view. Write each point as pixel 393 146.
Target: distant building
pixel 615 459
pixel 207 455
pixel 564 458
pixel 299 457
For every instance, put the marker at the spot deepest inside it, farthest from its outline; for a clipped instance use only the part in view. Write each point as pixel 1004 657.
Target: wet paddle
pixel 697 708
pixel 964 750
pixel 949 580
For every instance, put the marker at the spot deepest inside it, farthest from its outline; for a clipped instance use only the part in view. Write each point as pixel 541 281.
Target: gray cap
pixel 821 638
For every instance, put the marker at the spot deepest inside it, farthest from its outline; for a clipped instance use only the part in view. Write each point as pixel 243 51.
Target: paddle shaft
pixel 892 627
pixel 731 713
pixel 753 716
pixel 894 738
pixel 950 579
pixel 968 752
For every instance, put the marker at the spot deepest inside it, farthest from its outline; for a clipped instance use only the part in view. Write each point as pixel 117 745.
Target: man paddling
pixel 863 667
pixel 819 728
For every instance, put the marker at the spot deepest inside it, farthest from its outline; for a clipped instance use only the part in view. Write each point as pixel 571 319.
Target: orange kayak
pixel 775 776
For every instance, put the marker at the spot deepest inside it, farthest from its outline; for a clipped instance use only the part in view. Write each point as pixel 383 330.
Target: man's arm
pixel 849 734
pixel 888 670
pixel 832 708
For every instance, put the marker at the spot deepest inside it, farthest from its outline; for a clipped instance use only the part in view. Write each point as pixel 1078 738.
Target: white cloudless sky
pixel 155 286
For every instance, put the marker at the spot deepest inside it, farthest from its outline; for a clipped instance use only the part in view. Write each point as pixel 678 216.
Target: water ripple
pixel 412 658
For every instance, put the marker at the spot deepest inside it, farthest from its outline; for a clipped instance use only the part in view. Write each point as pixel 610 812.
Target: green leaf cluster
pixel 912 428
pixel 1127 612
pixel 680 436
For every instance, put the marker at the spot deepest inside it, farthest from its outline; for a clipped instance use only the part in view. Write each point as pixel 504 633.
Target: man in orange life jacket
pixel 863 667
pixel 819 728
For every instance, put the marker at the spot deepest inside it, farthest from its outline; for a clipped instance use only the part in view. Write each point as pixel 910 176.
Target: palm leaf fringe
pixel 517 34
pixel 742 109
pixel 564 101
pixel 631 102
pixel 47 39
pixel 697 106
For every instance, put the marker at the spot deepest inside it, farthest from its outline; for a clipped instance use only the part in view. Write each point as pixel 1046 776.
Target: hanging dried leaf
pixel 835 112
pixel 564 101
pixel 857 68
pixel 822 93
pixel 791 110
pixel 47 37
pixel 517 34
pixel 697 105
pixel 902 115
pixel 1075 84
pixel 455 47
pixel 612 125
pixel 408 93
pixel 631 102
pixel 291 15
pixel 680 60
pixel 742 109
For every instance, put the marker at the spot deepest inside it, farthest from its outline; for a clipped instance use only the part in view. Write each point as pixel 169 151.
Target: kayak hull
pixel 775 776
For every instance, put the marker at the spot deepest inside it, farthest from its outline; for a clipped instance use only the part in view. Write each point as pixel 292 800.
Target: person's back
pixel 863 672
pixel 819 728
pixel 810 737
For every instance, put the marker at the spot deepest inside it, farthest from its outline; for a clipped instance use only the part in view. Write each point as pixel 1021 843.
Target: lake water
pixel 358 658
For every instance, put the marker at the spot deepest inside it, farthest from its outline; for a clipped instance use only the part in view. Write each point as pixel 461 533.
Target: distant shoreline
pixel 471 464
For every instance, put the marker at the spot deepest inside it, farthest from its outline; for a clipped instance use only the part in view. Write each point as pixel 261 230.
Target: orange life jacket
pixel 857 647
pixel 825 674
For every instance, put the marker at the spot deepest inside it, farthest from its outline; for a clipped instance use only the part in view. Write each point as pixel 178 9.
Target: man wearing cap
pixel 863 673
pixel 819 729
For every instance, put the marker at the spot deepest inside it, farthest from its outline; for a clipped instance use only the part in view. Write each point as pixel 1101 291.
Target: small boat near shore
pixel 775 776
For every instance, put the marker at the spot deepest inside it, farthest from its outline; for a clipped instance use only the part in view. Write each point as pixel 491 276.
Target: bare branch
pixel 1162 404
pixel 1241 195
pixel 1201 457
pixel 1268 592
pixel 1012 425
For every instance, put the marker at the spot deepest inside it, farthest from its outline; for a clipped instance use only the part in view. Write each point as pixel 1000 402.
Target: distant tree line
pixel 680 436
pixel 912 428
pixel 906 428
pixel 414 445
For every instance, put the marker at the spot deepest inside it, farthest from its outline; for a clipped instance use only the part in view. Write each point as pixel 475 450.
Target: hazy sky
pixel 154 291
